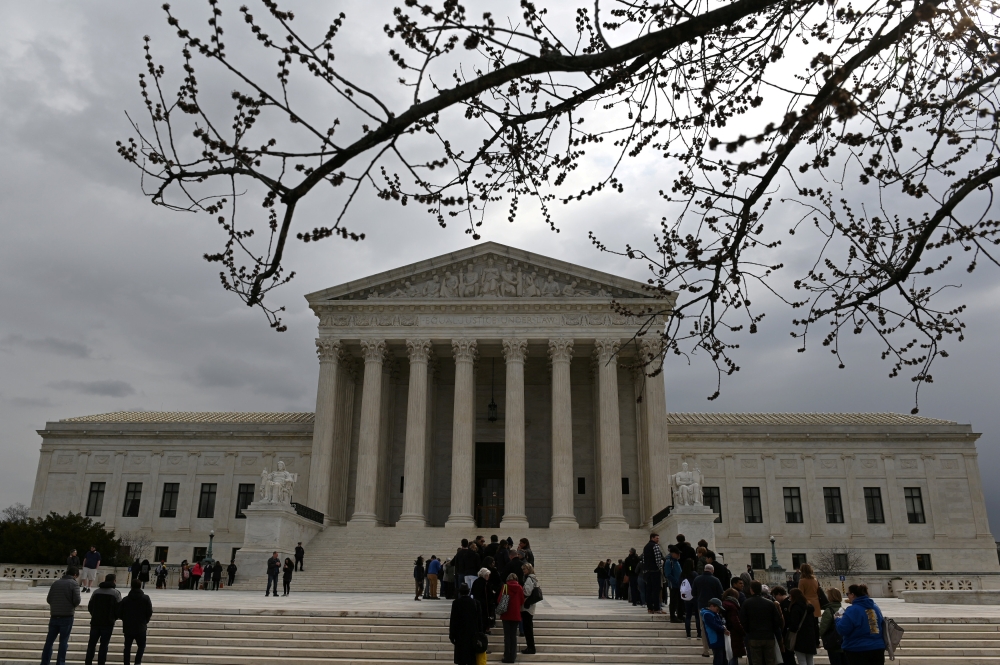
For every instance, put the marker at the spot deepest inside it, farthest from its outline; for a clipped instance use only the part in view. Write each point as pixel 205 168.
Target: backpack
pixel 832 641
pixel 686 593
pixel 892 633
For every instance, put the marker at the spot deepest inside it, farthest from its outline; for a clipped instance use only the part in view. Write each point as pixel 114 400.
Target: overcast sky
pixel 106 304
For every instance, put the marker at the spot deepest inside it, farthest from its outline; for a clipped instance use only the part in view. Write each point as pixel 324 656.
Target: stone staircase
pixel 349 559
pixel 299 637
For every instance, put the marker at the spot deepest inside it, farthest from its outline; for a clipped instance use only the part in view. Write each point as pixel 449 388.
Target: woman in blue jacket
pixel 861 628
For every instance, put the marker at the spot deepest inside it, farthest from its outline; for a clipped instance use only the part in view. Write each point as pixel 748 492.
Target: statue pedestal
pixel 271 527
pixel 695 522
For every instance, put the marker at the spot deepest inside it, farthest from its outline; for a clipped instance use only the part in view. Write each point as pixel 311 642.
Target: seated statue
pixel 688 487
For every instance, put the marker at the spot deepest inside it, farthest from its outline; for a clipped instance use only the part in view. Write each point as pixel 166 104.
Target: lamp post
pixel 775 573
pixel 208 554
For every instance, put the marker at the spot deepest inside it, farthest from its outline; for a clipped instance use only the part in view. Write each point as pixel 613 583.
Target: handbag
pixel 793 634
pixel 482 642
pixel 504 601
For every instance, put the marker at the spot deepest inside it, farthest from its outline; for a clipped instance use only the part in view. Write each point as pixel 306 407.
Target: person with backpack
pixel 672 575
pixel 827 629
pixel 861 627
pixel 803 627
pixel 690 605
pixel 231 573
pixel 715 630
pixel 135 611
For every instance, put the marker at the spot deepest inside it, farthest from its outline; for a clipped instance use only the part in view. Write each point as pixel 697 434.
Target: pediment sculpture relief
pixel 493 277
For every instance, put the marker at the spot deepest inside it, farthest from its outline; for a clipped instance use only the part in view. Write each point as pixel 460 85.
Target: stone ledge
pixel 975 597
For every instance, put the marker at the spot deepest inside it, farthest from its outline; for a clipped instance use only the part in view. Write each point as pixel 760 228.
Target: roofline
pixel 466 254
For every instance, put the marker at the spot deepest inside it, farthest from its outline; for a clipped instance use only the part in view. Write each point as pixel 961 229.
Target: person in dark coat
pixel 231 572
pixel 103 608
pixel 481 592
pixel 503 555
pixel 144 570
pixel 802 621
pixel 464 626
pixel 731 613
pixel 216 575
pixel 135 611
pixel 493 585
pixel 514 567
pixel 286 575
pixel 491 549
pixel 602 579
pixel 418 577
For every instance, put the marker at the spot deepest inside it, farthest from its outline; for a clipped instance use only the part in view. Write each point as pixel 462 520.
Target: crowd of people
pixel 738 617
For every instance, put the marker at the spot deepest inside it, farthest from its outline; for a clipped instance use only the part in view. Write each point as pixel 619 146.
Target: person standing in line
pixel 602 580
pixel 719 570
pixel 144 569
pixel 135 610
pixel 216 575
pixel 196 572
pixel 464 626
pixel 286 576
pixel 103 608
pixel 828 630
pixel 739 587
pixel 796 576
pixel 809 586
pixel 480 592
pixel 783 602
pixel 185 577
pixel 686 550
pixel 511 618
pixel 861 627
pixel 448 585
pixel 803 622
pixel 652 562
pixel 273 568
pixel 91 563
pixel 632 570
pixel 672 574
pixel 706 587
pixel 433 573
pixel 523 546
pixel 528 608
pixel 73 560
pixel 418 577
pixel 161 575
pixel 612 581
pixel 749 573
pixel 688 598
pixel 715 630
pixel 620 584
pixel 491 549
pixel 63 599
pixel 731 612
pixel 427 582
pixel 761 620
pixel 231 573
pixel 300 555
pixel 493 585
pixel 466 565
pixel 503 555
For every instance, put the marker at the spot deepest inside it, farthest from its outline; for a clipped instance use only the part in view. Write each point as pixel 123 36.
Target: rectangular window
pixel 914 506
pixel 793 505
pixel 206 502
pixel 751 507
pixel 160 554
pixel 168 507
pixel 199 554
pixel 924 562
pixel 834 507
pixel 95 500
pixel 244 498
pixel 798 560
pixel 624 485
pixel 882 562
pixel 713 498
pixel 757 561
pixel 133 492
pixel 841 561
pixel 581 485
pixel 873 505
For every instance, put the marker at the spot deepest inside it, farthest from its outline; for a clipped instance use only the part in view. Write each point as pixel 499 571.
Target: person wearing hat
pixel 715 630
pixel 103 608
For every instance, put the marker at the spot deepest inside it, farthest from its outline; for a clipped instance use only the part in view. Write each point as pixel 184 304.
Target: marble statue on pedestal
pixel 276 486
pixel 687 487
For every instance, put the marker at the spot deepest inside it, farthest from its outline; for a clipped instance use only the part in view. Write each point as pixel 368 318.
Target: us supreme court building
pixel 495 390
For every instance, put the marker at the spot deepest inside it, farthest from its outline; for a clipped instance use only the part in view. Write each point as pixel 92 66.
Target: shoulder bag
pixel 504 603
pixel 792 634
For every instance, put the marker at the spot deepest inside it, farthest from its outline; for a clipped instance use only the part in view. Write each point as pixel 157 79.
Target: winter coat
pixel 529 556
pixel 144 572
pixel 481 592
pixel 63 597
pixel 715 628
pixel 828 620
pixel 434 567
pixel 807 638
pixel 602 572
pixel 861 626
pixel 73 561
pixel 135 611
pixel 197 570
pixel 810 589
pixel 722 574
pixel 231 570
pixel 273 567
pixel 731 610
pixel 502 557
pixel 217 572
pixel 464 626
pixel 706 587
pixel 418 572
pixel 515 566
pixel 672 572
pixel 103 606
pixel 530 582
pixel 286 571
pixel 516 594
pixel 760 618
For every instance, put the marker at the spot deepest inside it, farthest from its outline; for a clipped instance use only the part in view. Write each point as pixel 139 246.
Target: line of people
pixel 106 607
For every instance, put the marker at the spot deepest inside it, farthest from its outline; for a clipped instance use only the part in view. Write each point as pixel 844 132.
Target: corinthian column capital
pixel 605 348
pixel 560 350
pixel 464 349
pixel 651 347
pixel 327 350
pixel 419 350
pixel 373 350
pixel 515 349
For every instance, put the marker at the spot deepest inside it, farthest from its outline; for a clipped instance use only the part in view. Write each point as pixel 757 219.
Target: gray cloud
pixel 51 345
pixel 106 388
pixel 239 374
pixel 31 402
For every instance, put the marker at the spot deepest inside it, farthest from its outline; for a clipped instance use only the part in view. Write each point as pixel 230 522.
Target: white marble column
pixel 112 496
pixel 814 499
pixel 855 501
pixel 41 480
pixel 976 495
pixel 514 350
pixel 321 461
pixel 224 513
pixel 415 455
pixel 612 515
pixel 463 438
pixel 734 499
pixel 563 517
pixel 895 501
pixel 81 481
pixel 366 487
pixel 775 498
pixel 657 441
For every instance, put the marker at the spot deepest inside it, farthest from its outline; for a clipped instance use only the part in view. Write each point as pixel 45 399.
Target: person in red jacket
pixel 511 618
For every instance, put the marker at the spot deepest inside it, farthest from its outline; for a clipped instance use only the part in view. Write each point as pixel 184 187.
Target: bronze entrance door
pixel 489 484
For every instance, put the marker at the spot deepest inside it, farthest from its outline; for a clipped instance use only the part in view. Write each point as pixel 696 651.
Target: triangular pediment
pixel 487 271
